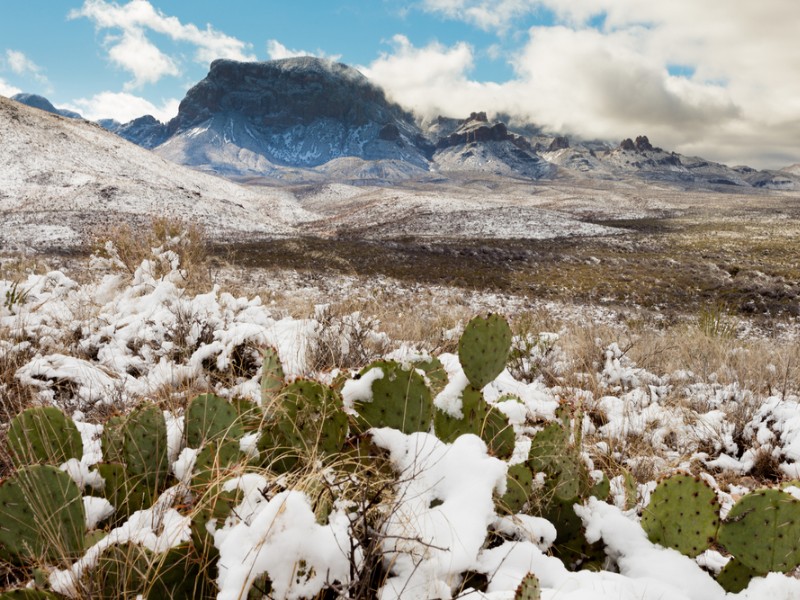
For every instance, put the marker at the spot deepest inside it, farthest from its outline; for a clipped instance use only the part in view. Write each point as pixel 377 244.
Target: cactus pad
pixel 529 588
pixel 126 495
pixel 43 435
pixel 736 576
pixel 683 514
pixel 483 349
pixel 519 484
pixel 209 417
pixel 144 446
pixel 400 400
pixel 215 457
pixel 762 530
pixel 309 422
pixel 272 376
pixel 435 372
pixel 41 515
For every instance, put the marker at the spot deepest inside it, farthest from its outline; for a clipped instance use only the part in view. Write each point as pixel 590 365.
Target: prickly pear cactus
pixel 130 570
pixel 762 530
pixel 209 417
pixel 272 376
pixel 479 418
pixel 435 373
pixel 144 446
pixel 529 588
pixel 42 515
pixel 43 435
pixel 310 423
pixel 683 514
pixel 519 484
pixel 126 494
pixel 213 460
pixel 483 349
pixel 736 576
pixel 400 400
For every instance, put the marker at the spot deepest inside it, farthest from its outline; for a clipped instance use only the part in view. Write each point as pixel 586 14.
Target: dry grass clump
pixel 130 246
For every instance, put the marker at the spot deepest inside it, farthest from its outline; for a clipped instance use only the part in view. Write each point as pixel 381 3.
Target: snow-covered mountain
pixel 61 178
pixel 478 145
pixel 44 104
pixel 254 118
pixel 310 120
pixel 640 159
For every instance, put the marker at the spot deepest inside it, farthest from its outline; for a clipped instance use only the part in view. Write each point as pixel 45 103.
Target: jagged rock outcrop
pixel 479 145
pixel 248 118
pixel 146 131
pixel 559 143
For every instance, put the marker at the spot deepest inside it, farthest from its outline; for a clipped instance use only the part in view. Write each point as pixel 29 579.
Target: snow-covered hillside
pixel 59 178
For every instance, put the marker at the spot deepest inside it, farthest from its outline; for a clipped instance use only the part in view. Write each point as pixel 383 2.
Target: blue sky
pixel 716 78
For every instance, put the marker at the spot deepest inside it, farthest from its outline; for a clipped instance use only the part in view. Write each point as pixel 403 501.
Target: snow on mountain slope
pixel 249 118
pixel 59 178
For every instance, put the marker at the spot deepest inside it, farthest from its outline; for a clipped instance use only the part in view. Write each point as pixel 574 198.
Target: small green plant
pixel 715 321
pixel 15 297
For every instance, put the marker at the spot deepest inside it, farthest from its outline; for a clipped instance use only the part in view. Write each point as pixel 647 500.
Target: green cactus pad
pixel 212 504
pixel 121 571
pixel 209 417
pixel 113 439
pixel 483 349
pixel 736 576
pixel 519 484
pixel 601 489
pixel 400 400
pixel 683 514
pixel 144 447
pixel 309 423
pixel 529 588
pixel 43 435
pixel 762 530
pixel 479 419
pixel 251 415
pixel 126 494
pixel 435 372
pixel 498 433
pixel 547 446
pixel 213 460
pixel 272 376
pixel 41 515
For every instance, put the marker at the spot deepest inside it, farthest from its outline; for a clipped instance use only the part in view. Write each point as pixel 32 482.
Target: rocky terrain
pixel 62 178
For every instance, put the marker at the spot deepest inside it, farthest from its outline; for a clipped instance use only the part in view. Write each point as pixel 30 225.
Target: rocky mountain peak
pixel 641 145
pixel 42 103
pixel 292 91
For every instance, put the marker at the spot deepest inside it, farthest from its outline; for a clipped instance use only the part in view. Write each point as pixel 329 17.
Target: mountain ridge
pixel 310 119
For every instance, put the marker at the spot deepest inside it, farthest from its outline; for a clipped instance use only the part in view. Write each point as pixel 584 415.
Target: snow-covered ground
pixel 118 338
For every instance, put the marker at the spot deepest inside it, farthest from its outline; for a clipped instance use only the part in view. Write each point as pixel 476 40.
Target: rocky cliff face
pixel 147 131
pixel 477 144
pixel 299 112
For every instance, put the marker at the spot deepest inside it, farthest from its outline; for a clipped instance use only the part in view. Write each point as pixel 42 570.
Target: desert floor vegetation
pixel 324 389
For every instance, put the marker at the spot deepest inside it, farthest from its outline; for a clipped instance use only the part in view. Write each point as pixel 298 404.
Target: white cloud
pixel 136 53
pixel 603 71
pixel 432 80
pixel 486 14
pixel 20 64
pixel 122 107
pixel 8 90
pixel 277 51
